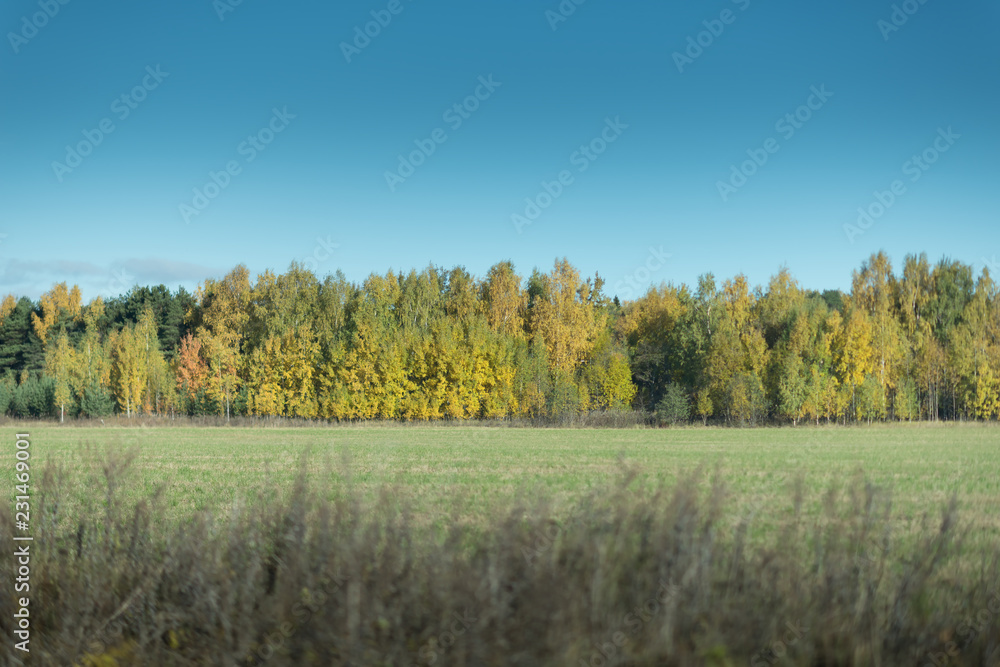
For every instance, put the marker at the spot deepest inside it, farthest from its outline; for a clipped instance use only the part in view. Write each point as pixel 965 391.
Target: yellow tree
pixel 94 366
pixel 128 372
pixel 853 353
pixel 263 381
pixel 505 300
pixel 738 354
pixel 281 375
pixel 222 380
pixel 615 388
pixel 92 370
pixel 974 352
pixel 925 354
pixel 873 290
pixel 564 317
pixel 7 306
pixel 226 308
pixel 300 352
pixel 57 302
pixel 158 392
pixel 499 398
pixel 374 371
pixel 190 371
pixel 60 361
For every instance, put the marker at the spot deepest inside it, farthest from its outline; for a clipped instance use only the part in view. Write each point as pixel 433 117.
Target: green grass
pixel 468 525
pixel 457 471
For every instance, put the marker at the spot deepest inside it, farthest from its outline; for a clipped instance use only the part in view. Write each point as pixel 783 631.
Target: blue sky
pixel 208 85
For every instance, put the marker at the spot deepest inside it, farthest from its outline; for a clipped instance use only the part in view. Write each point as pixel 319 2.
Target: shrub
pixel 96 402
pixel 34 397
pixel 675 407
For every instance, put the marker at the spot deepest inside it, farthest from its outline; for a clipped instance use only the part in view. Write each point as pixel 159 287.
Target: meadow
pixel 922 465
pixel 419 545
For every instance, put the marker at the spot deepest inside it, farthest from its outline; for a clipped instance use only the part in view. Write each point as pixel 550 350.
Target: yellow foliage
pixel 55 302
pixel 565 318
pixel 7 306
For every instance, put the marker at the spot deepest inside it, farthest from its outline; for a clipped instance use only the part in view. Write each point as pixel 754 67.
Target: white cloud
pixel 32 278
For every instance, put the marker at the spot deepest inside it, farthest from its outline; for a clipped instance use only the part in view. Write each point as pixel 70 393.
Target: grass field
pixel 446 471
pixel 240 552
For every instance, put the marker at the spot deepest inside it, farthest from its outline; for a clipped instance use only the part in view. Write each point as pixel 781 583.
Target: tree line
pixel 444 344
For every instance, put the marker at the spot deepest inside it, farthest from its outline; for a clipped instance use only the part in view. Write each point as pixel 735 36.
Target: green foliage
pixel 7 388
pixel 871 400
pixel 169 310
pixel 96 401
pixel 34 397
pixel 906 404
pixel 437 344
pixel 566 399
pixel 675 406
pixel 20 347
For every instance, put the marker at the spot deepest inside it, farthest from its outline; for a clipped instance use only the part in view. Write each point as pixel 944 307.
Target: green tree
pixel 674 408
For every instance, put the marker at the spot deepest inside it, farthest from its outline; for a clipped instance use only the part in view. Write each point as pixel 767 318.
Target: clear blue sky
pixel 323 176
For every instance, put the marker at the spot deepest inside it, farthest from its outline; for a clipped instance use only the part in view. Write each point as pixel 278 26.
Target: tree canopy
pixel 444 344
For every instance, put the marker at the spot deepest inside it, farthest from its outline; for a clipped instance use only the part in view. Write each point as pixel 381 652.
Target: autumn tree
pixel 128 370
pixel 505 301
pixel 225 314
pixel 738 355
pixel 158 393
pixel 59 365
pixel 59 303
pixel 190 371
pixel 563 316
pixel 873 291
pixel 974 353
